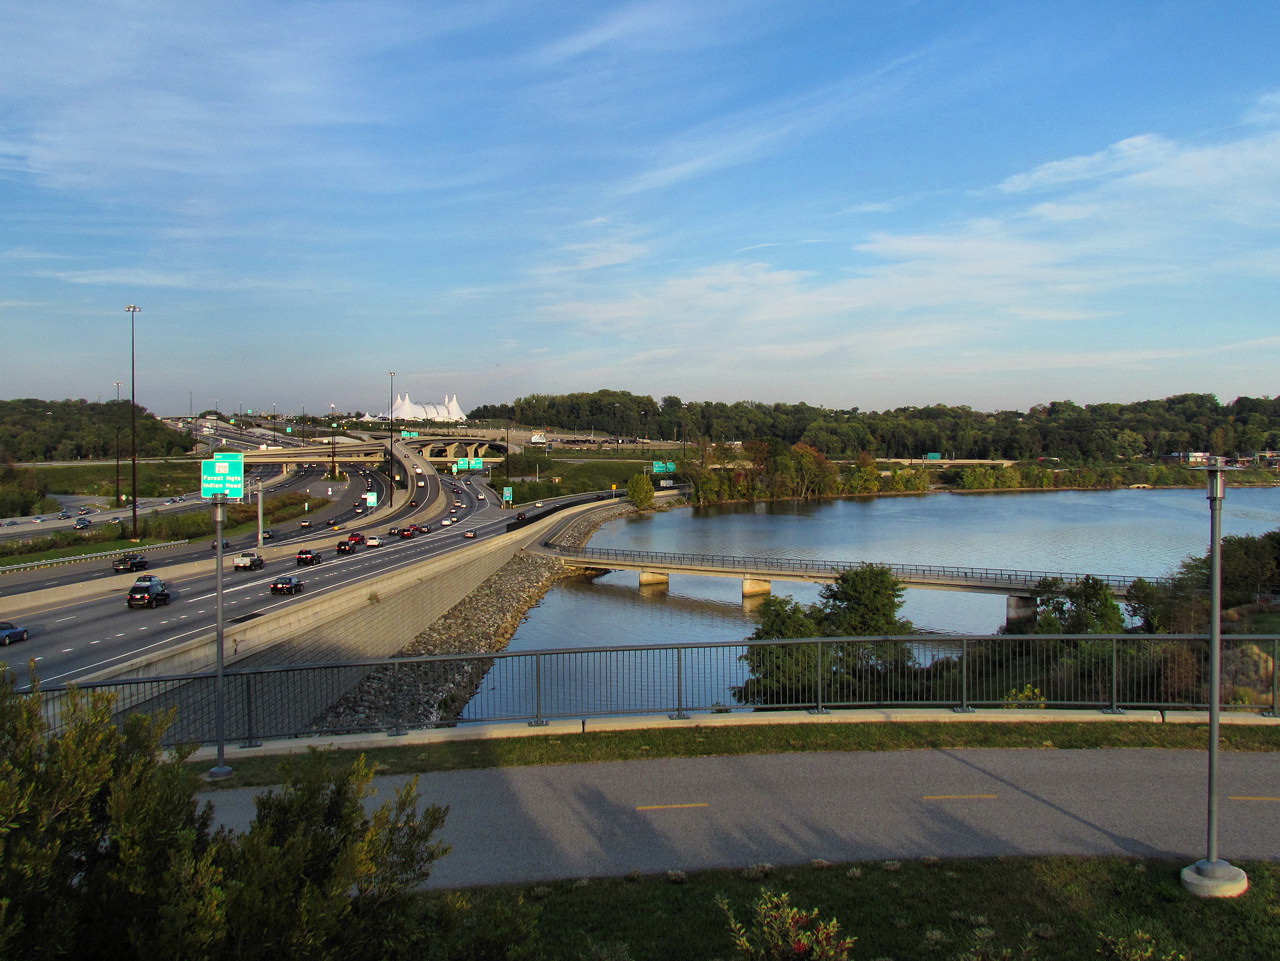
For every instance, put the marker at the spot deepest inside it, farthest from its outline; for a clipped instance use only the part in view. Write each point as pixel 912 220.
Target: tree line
pixel 33 431
pixel 1075 434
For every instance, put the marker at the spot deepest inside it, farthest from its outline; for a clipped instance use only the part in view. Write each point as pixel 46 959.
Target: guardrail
pixel 59 561
pixel 823 568
pixel 1109 673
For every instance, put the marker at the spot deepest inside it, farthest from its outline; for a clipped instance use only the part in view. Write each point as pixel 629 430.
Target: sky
pixel 849 203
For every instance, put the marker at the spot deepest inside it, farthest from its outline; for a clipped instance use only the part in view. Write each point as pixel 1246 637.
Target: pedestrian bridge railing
pixel 912 575
pixel 1110 673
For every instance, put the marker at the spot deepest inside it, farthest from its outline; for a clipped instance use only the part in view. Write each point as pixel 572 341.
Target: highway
pixel 80 638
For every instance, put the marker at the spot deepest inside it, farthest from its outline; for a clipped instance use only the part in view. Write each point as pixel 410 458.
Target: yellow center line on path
pixel 667 807
pixel 1247 798
pixel 959 797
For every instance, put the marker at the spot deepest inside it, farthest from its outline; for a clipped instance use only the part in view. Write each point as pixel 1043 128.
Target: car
pixel 393 532
pixel 148 594
pixel 286 585
pixel 359 509
pixel 268 534
pixel 37 520
pixel 520 516
pixel 345 547
pixel 11 523
pixel 373 540
pixel 355 537
pixel 82 511
pixel 10 632
pixel 406 533
pixel 80 524
pixel 146 579
pixel 130 563
pixel 413 503
pixel 64 516
pixel 537 503
pixel 308 557
pixel 457 503
pixel 305 525
pixel 249 561
pixel 468 533
pixel 479 497
pixel 446 521
pixel 225 544
pixel 453 510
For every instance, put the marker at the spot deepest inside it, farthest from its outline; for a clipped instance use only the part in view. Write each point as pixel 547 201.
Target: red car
pixel 355 538
pixel 407 532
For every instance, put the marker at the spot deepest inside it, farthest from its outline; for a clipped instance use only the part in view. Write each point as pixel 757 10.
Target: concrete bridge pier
pixel 755 586
pixel 655 579
pixel 1018 607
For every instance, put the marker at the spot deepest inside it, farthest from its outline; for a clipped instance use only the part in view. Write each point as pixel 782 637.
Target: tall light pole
pixel 1214 877
pixel 133 416
pixel 116 418
pixel 391 444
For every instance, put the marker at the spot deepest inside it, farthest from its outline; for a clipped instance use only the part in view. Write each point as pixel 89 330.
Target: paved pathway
pixel 578 820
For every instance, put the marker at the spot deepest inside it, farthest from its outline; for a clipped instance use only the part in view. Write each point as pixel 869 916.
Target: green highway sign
pixel 371 499
pixel 408 433
pixel 471 463
pixel 506 494
pixel 224 474
pixel 664 467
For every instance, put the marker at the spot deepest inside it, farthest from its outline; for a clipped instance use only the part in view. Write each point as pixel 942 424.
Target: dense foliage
pixel 68 430
pixel 105 852
pixel 1094 433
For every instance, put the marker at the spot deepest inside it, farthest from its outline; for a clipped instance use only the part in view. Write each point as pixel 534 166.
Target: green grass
pixel 155 478
pixel 773 739
pixel 909 910
pixel 949 909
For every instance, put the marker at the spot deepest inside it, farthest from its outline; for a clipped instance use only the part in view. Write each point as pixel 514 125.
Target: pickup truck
pixel 248 561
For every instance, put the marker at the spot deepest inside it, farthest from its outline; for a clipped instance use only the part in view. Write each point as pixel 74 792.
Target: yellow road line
pixel 667 807
pixel 958 797
pixel 1247 798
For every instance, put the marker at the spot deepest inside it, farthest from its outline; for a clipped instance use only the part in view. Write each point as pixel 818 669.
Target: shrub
pixel 780 931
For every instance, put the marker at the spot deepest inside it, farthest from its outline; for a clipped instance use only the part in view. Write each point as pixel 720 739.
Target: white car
pixel 446 521
pixel 373 540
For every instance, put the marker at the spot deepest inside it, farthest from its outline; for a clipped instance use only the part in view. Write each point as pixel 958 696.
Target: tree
pixel 640 491
pixel 105 852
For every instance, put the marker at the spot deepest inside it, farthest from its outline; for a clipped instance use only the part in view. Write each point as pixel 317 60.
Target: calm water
pixel 1126 532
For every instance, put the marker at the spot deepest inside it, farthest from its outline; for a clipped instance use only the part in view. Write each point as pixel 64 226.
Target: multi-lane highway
pixel 80 638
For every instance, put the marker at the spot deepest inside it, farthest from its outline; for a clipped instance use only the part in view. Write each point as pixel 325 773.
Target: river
pixel 1128 532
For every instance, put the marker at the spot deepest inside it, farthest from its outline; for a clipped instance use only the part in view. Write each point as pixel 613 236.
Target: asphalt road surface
pixel 601 820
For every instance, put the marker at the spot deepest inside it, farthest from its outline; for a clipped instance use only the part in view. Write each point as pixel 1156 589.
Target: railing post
pixel 398 729
pixel 1275 680
pixel 964 707
pixel 249 739
pixel 818 708
pixel 538 719
pixel 1115 678
pixel 680 714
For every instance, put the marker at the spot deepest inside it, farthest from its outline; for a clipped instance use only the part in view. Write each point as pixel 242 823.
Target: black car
pixel 129 563
pixel 81 523
pixel 148 594
pixel 286 585
pixel 345 547
pixel 307 557
pixel 268 534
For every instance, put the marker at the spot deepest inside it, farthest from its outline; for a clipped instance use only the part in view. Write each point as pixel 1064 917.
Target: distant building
pixel 404 409
pixel 1189 458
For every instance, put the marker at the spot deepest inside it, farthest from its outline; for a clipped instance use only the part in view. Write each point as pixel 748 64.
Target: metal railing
pixel 97 556
pixel 1111 673
pixel 985 576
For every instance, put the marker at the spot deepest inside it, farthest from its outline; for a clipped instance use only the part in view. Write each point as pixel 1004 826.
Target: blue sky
pixel 855 203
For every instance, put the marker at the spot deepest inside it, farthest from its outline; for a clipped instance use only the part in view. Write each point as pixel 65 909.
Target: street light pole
pixel 133 415
pixel 1214 877
pixel 391 445
pixel 116 418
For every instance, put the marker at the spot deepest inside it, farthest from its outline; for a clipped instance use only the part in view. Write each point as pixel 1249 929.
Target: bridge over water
pixel 758 573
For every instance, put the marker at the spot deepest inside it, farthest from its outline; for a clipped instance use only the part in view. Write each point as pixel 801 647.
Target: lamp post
pixel 1214 877
pixel 133 417
pixel 118 385
pixel 391 445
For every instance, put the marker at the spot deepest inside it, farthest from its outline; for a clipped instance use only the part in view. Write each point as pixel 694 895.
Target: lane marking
pixel 1248 798
pixel 959 797
pixel 667 807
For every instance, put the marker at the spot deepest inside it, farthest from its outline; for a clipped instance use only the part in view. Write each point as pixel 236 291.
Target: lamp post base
pixel 1214 879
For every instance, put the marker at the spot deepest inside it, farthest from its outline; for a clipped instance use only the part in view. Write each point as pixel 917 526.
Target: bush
pixel 779 931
